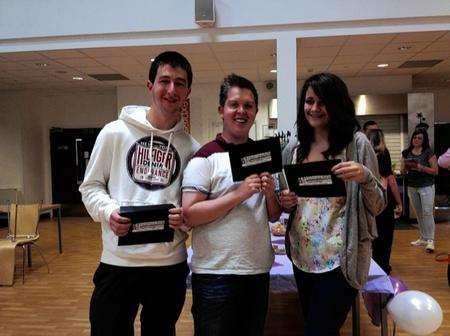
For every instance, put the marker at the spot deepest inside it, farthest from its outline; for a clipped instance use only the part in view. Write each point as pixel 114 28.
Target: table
pixel 46 208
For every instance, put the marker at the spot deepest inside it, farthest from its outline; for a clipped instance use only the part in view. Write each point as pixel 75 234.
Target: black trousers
pixel 119 291
pixel 326 299
pixel 382 245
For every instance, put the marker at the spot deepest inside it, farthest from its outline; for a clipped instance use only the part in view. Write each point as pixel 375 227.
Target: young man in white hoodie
pixel 138 160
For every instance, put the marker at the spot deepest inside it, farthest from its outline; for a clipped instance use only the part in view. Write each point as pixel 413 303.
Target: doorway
pixel 70 150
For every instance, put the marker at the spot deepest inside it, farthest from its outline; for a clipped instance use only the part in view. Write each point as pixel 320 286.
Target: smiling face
pixel 169 91
pixel 238 114
pixel 315 111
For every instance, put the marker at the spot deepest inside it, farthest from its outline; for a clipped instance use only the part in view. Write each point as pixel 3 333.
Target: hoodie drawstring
pixel 151 155
pixel 167 150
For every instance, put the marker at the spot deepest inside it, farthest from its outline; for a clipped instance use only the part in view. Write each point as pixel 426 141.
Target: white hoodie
pixel 119 173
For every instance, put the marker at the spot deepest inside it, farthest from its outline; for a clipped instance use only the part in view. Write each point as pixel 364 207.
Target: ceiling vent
pixel 108 77
pixel 419 64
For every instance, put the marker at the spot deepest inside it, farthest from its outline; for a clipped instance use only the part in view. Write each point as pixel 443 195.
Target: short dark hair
pixel 369 123
pixel 234 80
pixel 333 92
pixel 174 59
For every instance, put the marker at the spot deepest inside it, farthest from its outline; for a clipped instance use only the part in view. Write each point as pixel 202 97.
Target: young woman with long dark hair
pixel 419 164
pixel 329 238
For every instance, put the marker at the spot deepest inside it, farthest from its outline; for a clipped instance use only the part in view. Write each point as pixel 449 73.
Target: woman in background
pixel 382 245
pixel 420 165
pixel 328 239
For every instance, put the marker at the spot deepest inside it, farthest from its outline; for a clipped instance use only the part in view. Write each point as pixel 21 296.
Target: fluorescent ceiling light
pixel 77 78
pixel 273 71
pixel 383 65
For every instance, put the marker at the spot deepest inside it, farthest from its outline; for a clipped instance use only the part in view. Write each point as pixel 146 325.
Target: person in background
pixel 382 245
pixel 328 239
pixel 420 166
pixel 370 125
pixel 138 160
pixel 444 160
pixel 232 251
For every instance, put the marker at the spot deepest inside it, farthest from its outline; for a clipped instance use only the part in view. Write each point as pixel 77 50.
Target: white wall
pixel 32 113
pixel 25 19
pixel 11 142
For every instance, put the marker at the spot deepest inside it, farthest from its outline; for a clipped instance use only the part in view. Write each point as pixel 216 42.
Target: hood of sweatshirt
pixel 137 116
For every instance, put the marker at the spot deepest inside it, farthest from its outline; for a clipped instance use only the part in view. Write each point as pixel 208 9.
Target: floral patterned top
pixel 316 232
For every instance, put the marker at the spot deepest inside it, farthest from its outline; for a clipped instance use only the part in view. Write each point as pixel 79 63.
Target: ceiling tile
pixel 345 67
pixel 432 55
pixel 389 58
pixel 97 70
pixel 236 56
pixel 60 54
pixel 12 66
pixel 313 61
pixel 445 37
pixel 418 37
pixel 374 66
pixel 319 52
pixel 79 62
pixel 361 49
pixel 349 59
pixel 411 47
pixel 113 61
pixel 313 42
pixel 369 39
pixel 24 56
pixel 104 52
pixel 438 46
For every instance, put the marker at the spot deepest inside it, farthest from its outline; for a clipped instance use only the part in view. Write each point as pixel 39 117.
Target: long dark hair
pixel 342 122
pixel 425 142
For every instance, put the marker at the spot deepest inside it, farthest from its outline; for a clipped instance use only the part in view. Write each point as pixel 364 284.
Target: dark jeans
pixel 229 305
pixel 326 299
pixel 119 291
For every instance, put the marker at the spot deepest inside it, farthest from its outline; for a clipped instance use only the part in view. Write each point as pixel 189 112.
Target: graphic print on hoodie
pixel 153 162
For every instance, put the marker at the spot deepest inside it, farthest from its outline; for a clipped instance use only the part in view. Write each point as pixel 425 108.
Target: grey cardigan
pixel 364 202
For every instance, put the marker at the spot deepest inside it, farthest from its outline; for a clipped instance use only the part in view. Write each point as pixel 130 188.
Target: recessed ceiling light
pixel 273 71
pixel 404 47
pixel 77 78
pixel 41 65
pixel 383 65
pixel 152 59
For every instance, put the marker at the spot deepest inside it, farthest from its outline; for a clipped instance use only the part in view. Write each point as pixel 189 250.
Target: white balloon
pixel 415 312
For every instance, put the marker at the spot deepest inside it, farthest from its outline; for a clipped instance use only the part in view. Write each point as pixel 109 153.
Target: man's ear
pixel 149 85
pixel 220 110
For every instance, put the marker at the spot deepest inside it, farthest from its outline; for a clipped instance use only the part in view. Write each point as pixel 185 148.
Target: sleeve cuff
pixel 109 210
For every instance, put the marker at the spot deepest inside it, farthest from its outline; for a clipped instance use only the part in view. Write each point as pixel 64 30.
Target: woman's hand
pixel 349 171
pixel 288 200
